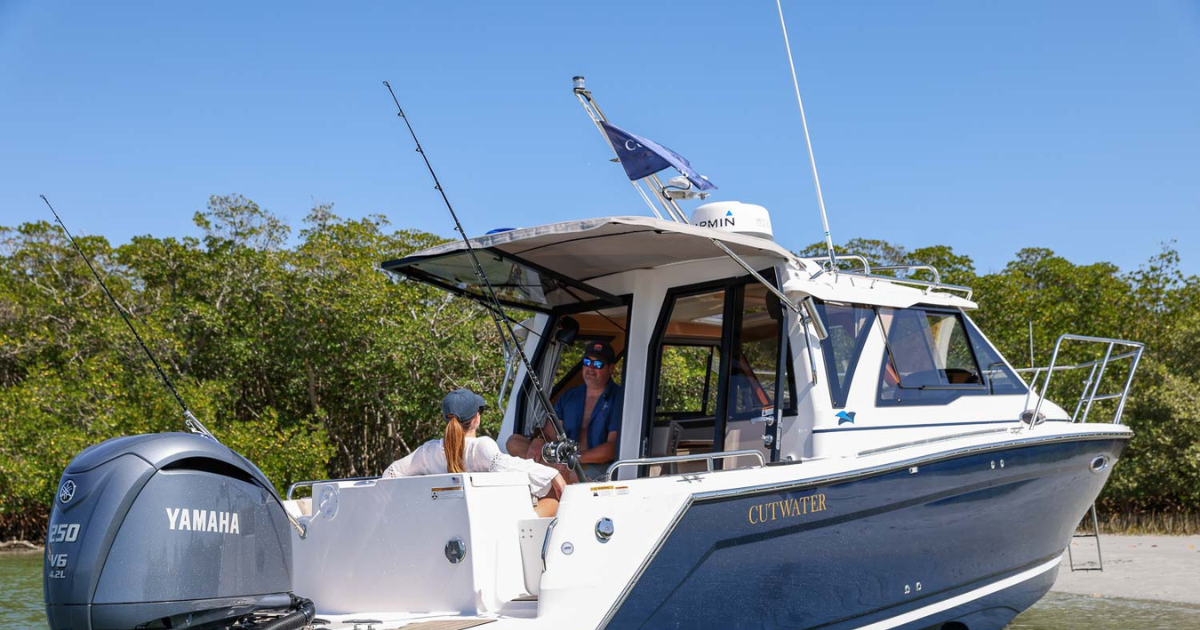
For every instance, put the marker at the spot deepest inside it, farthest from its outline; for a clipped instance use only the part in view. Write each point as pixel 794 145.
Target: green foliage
pixel 302 355
pixel 306 358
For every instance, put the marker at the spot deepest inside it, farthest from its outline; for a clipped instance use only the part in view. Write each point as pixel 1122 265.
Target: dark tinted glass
pixel 848 329
pixel 998 376
pixel 930 360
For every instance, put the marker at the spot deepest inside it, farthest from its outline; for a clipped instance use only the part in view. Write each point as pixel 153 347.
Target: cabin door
pixel 713 374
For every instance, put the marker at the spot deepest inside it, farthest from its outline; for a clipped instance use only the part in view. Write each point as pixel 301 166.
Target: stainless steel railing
pixel 1091 385
pixel 675 459
pixel 867 271
pixel 308 484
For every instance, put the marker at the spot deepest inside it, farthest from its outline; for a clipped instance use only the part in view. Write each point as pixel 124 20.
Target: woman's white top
pixel 482 454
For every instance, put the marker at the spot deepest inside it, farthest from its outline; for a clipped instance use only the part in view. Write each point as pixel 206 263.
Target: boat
pixel 895 474
pixel 803 445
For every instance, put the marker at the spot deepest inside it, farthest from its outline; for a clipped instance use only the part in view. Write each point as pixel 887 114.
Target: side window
pixel 848 329
pixel 999 377
pixel 930 358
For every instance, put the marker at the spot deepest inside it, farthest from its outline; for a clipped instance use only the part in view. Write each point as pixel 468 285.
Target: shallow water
pixel 21 606
pixel 21 591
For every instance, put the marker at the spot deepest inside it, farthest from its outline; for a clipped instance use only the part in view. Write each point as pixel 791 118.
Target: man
pixel 590 413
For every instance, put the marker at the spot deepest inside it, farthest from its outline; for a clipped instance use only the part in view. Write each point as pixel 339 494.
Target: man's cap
pixel 463 404
pixel 600 350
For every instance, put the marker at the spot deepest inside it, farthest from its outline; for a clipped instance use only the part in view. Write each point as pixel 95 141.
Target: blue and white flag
pixel 641 157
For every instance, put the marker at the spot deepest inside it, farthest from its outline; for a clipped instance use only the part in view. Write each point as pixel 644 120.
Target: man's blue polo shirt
pixel 606 415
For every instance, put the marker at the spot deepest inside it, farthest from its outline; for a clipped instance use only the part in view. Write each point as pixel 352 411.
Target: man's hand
pixel 535 450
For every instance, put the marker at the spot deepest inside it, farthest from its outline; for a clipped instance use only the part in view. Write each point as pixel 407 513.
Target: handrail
pixel 937 276
pixel 860 258
pixel 1091 386
pixel 313 482
pixel 1037 371
pixel 868 271
pixel 920 283
pixel 674 459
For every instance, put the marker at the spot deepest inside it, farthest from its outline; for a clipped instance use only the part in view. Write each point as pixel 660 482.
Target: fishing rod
pixel 563 450
pixel 190 421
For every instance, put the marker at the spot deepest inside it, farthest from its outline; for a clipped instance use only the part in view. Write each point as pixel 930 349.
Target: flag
pixel 642 157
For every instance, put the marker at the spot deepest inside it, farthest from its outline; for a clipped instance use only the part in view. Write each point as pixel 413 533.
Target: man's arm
pixel 602 454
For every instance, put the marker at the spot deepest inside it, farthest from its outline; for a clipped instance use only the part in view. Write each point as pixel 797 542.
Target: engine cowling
pixel 167 530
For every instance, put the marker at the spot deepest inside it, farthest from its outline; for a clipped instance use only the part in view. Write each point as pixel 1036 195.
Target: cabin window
pixel 558 358
pixel 930 358
pixel 848 327
pixel 712 371
pixel 999 377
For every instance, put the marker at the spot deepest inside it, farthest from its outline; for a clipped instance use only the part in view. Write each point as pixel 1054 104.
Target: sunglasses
pixel 596 364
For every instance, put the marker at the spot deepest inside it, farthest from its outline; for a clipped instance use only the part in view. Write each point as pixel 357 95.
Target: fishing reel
pixel 564 451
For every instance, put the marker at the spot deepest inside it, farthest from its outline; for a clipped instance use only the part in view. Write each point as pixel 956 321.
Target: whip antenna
pixel 568 449
pixel 190 420
pixel 808 141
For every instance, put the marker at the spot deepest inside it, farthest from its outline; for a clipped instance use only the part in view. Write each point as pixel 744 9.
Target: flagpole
pixel 593 110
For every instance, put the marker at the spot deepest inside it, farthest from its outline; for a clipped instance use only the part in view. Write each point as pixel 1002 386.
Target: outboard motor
pixel 168 530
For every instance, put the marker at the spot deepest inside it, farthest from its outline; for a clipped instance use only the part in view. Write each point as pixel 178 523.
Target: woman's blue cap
pixel 462 404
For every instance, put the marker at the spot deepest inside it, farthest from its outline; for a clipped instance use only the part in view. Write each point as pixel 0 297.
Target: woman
pixel 461 451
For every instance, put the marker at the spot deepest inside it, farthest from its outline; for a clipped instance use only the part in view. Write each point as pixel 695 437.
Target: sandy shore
pixel 1163 568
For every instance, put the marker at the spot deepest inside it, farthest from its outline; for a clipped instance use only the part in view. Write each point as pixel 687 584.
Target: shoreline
pixel 20 546
pixel 1153 568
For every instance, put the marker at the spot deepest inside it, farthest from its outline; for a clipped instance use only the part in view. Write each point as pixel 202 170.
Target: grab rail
pixel 930 286
pixel 862 259
pixel 868 271
pixel 1092 384
pixel 313 482
pixel 937 276
pixel 674 459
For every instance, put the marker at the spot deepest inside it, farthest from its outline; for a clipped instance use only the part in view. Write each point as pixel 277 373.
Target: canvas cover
pixel 550 265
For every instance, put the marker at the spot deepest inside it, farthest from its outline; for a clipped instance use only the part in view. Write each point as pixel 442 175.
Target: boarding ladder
pixel 1095 371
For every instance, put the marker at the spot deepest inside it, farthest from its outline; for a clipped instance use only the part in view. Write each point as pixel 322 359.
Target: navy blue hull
pixel 925 546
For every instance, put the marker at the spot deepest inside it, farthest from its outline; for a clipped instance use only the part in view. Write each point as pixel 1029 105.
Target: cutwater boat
pixel 801 445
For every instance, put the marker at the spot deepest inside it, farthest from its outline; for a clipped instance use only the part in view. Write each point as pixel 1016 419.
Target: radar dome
pixel 735 217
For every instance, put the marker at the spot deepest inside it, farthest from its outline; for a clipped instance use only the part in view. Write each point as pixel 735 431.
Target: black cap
pixel 600 350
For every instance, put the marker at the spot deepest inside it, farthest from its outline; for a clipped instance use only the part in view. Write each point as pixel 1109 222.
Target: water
pixel 21 606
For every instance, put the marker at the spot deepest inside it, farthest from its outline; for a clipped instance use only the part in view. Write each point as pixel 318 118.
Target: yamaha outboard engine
pixel 169 530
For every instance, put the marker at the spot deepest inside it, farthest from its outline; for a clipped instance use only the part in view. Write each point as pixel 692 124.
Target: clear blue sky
pixel 988 126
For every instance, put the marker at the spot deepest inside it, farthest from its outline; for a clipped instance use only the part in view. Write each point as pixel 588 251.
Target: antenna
pixel 808 141
pixel 190 420
pixel 565 451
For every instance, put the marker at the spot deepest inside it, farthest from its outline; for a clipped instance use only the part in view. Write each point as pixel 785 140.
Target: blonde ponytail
pixel 454 444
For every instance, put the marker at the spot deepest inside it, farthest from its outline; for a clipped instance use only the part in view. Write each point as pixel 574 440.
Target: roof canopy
pixel 550 265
